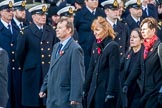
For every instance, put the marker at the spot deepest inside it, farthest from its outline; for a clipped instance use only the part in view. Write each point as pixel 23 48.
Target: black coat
pixel 103 74
pixel 152 12
pixel 8 42
pixel 131 22
pixel 149 75
pixel 33 54
pixel 127 64
pixel 122 36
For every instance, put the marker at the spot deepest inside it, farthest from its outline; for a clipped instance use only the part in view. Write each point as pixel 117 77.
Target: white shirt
pixel 111 23
pixel 17 22
pixel 6 25
pixel 65 42
pixel 91 10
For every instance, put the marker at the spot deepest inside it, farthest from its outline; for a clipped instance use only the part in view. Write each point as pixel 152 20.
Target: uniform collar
pixel 5 24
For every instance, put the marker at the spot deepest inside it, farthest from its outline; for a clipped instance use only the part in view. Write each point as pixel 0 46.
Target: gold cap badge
pixel 138 2
pixel 23 3
pixel 71 10
pixel 10 4
pixel 44 8
pixel 115 3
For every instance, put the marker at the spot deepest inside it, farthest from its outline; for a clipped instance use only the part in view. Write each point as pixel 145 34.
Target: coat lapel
pixel 5 30
pixel 63 51
pixel 128 60
pixel 35 31
pixel 45 33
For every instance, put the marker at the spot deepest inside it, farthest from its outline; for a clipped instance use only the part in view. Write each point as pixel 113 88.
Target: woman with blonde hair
pixel 101 85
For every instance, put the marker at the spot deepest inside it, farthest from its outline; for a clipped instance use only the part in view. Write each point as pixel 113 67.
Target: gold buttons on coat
pixel 11 44
pixel 13 68
pixel 13 60
pixel 19 68
pixel 42 56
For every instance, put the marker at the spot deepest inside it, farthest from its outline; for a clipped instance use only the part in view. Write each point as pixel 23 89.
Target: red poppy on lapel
pixel 99 50
pixel 61 52
pixel 151 49
pixel 128 56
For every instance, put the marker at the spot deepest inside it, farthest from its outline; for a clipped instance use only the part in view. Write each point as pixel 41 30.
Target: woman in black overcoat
pixel 132 92
pixel 101 86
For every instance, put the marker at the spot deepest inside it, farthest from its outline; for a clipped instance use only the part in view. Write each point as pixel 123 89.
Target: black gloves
pixel 125 89
pixel 160 96
pixel 109 98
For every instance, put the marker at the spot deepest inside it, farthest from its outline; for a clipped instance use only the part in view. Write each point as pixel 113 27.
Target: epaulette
pixel 159 25
pixel 123 21
pixel 22 30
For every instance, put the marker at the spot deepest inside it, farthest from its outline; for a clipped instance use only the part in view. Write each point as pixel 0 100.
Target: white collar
pixel 17 22
pixel 91 9
pixel 6 24
pixel 136 20
pixel 65 42
pixel 39 27
pixel 111 23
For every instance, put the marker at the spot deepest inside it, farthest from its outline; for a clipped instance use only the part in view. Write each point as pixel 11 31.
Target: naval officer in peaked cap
pixel 33 52
pixel 135 17
pixel 21 15
pixel 8 37
pixel 111 8
pixel 69 12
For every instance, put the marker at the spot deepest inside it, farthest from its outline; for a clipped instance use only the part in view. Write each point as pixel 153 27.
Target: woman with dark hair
pixel 101 87
pixel 131 92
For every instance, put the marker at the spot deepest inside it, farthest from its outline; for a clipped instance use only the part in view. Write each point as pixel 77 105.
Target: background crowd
pixel 80 54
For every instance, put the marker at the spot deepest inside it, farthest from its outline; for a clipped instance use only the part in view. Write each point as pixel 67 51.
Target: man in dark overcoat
pixel 134 19
pixel 149 10
pixel 33 53
pixel 8 40
pixel 111 9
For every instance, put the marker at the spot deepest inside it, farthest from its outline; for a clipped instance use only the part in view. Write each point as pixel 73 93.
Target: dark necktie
pixel 114 26
pixel 138 23
pixel 58 50
pixel 21 26
pixel 93 12
pixel 41 32
pixel 145 12
pixel 9 28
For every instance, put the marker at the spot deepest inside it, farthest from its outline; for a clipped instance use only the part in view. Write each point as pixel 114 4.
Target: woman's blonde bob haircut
pixel 103 23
